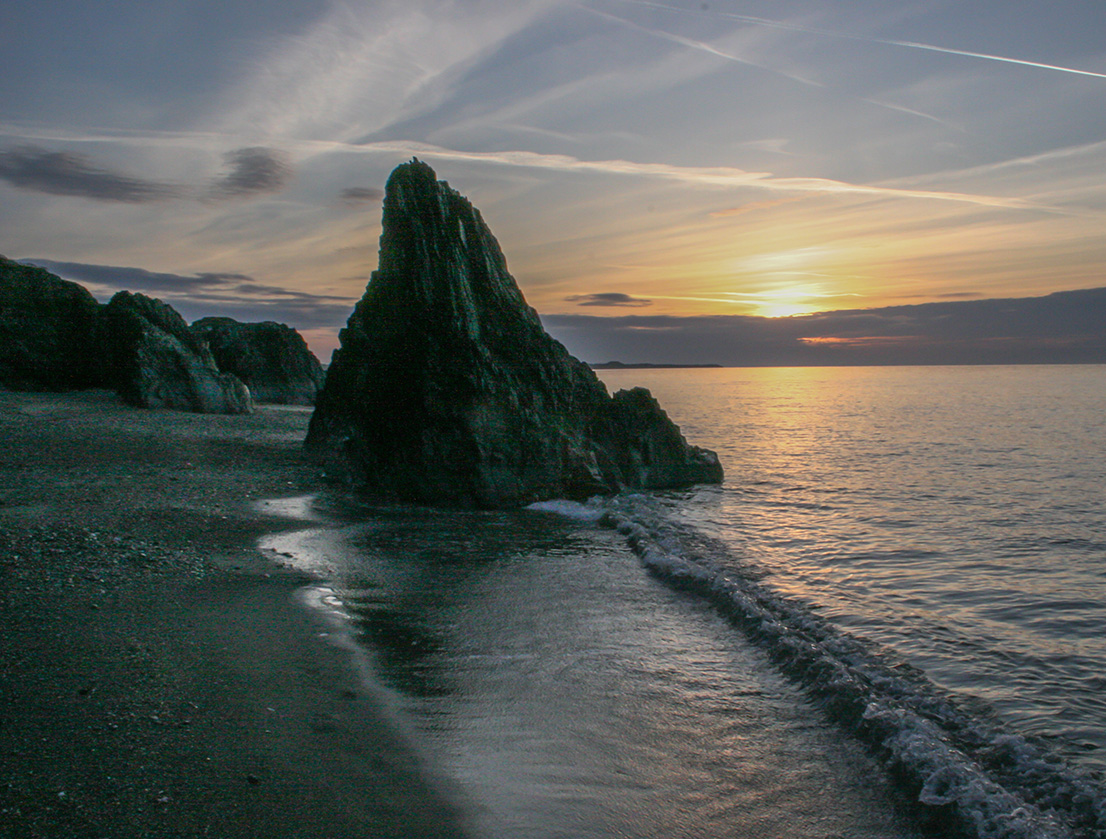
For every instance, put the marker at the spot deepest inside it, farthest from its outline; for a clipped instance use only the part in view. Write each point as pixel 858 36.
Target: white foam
pixel 298 507
pixel 992 783
pixel 569 509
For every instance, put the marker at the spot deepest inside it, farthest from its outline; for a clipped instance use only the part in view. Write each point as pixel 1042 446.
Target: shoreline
pixel 160 676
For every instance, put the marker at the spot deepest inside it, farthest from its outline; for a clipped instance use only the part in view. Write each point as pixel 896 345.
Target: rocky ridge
pixel 55 336
pixel 47 325
pixel 447 390
pixel 154 361
pixel 272 359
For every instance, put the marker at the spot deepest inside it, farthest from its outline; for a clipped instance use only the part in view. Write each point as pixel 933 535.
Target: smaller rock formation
pixel 647 445
pixel 47 329
pixel 272 359
pixel 154 361
pixel 447 390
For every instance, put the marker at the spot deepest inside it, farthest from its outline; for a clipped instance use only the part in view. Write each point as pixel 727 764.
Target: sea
pixel 889 621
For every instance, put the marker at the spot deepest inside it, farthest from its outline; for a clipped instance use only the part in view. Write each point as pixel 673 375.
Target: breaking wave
pixel 968 773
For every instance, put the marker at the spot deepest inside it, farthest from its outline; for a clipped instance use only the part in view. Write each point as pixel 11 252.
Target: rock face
pixel 447 390
pixel 272 359
pixel 154 361
pixel 47 326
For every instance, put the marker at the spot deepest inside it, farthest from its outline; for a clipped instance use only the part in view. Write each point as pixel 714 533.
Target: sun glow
pixel 784 302
pixel 783 309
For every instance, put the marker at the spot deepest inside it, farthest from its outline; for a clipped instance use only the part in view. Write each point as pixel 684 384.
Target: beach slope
pixel 159 677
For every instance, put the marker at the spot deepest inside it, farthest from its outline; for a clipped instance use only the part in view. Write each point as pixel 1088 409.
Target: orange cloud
pixel 752 206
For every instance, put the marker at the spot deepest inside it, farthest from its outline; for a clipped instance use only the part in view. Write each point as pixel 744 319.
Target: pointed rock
pixel 447 390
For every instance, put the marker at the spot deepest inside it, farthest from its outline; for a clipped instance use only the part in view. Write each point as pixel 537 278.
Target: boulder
pixel 154 361
pixel 272 359
pixel 446 389
pixel 47 326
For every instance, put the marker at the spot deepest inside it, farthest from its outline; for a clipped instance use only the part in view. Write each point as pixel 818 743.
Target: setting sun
pixel 783 308
pixel 786 301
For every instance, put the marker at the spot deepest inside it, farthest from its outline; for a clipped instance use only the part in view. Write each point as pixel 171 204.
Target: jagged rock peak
pixel 462 274
pixel 447 390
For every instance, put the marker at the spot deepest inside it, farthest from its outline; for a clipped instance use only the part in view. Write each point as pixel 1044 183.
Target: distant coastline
pixel 621 365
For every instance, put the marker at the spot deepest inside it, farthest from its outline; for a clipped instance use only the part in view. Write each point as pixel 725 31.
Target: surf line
pixel 966 775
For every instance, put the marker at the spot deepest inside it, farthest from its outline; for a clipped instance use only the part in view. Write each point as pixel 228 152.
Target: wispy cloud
pixel 209 293
pixel 64 173
pixel 702 46
pixel 830 33
pixel 253 171
pixel 137 279
pixel 1096 150
pixel 729 55
pixel 752 206
pixel 365 66
pixel 258 170
pixel 716 176
pixel 609 298
pixel 362 194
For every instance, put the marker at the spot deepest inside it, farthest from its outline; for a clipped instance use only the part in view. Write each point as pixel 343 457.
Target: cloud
pixel 609 298
pixel 751 207
pixel 708 176
pixel 210 293
pixel 701 46
pixel 134 279
pixel 361 67
pixel 809 30
pixel 255 170
pixel 64 173
pixel 1065 327
pixel 711 49
pixel 362 194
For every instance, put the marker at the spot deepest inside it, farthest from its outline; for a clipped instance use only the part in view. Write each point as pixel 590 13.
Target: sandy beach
pixel 159 676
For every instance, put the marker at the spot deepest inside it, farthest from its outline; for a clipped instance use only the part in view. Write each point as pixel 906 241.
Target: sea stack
pixel 446 390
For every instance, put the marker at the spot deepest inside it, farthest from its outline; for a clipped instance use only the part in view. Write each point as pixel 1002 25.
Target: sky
pixel 662 176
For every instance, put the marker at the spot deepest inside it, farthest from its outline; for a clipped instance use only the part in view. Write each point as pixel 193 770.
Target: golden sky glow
pixel 631 157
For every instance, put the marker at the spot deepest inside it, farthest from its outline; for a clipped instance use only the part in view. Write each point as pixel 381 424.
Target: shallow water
pixel 561 691
pixel 902 577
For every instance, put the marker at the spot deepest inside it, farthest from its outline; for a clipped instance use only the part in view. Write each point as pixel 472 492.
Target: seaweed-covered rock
pixel 272 359
pixel 47 327
pixel 154 361
pixel 447 390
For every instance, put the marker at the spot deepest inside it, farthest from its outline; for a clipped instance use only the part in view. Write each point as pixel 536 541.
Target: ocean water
pixel 890 621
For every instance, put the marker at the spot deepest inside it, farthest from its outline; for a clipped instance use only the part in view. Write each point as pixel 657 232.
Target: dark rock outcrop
pixel 154 361
pixel 272 359
pixel 447 390
pixel 47 327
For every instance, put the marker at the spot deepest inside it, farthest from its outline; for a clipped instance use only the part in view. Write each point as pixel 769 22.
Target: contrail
pixel 697 45
pixel 779 24
pixel 705 47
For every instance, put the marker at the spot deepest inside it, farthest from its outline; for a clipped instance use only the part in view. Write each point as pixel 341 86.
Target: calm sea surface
pixel 898 595
pixel 955 514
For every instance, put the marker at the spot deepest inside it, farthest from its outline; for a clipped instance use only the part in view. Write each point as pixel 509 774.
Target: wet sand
pixel 158 677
